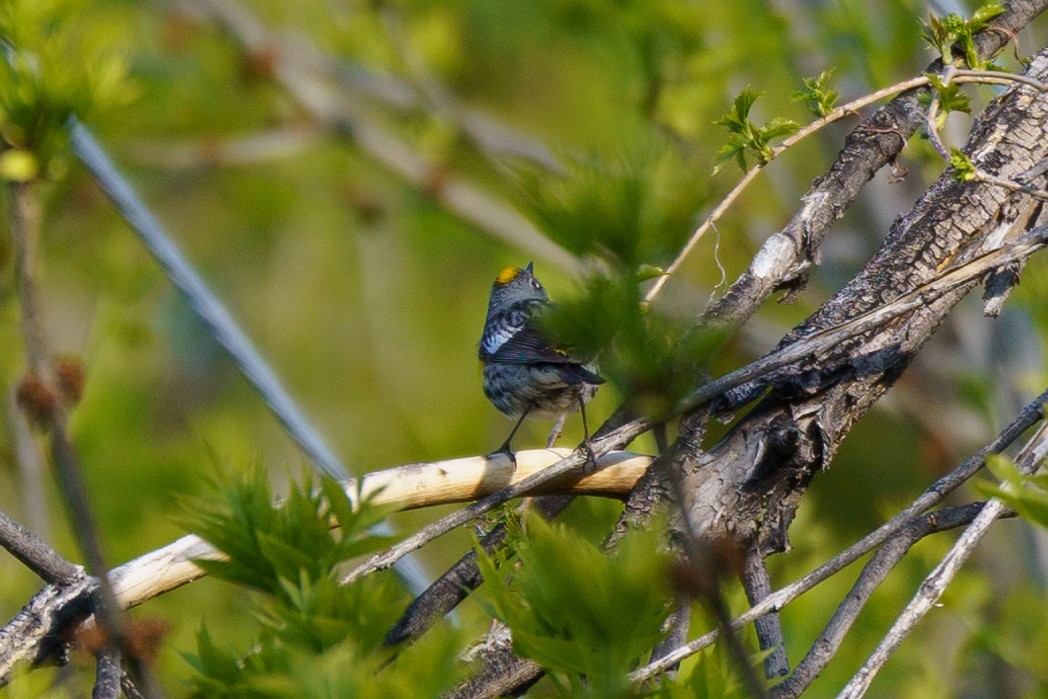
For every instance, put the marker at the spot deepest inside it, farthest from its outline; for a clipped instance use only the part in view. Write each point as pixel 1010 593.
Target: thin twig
pixel 1011 185
pixel 873 574
pixel 933 128
pixel 200 299
pixel 25 228
pixel 107 675
pixel 993 77
pixel 1032 413
pixel 757 584
pixel 929 592
pixel 35 553
pixel 960 76
pixel 751 174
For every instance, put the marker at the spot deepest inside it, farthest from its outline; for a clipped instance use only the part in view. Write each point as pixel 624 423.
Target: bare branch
pixel 1032 413
pixel 873 574
pixel 757 584
pixel 202 301
pixel 1033 454
pixel 35 553
pixel 32 634
pixel 108 675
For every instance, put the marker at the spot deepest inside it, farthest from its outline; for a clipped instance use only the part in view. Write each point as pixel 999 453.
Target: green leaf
pixel 953 31
pixel 963 168
pixel 817 94
pixel 578 610
pixel 746 137
pixel 1003 469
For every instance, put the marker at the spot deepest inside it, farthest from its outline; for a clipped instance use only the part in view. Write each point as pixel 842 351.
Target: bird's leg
pixel 591 458
pixel 504 449
pixel 558 427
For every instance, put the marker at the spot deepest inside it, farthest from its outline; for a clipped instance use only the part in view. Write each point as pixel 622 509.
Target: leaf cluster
pixel 744 136
pixel 817 94
pixel 51 69
pixel 316 637
pixel 944 33
pixel 1027 495
pixel 951 99
pixel 578 611
pixel 654 360
pixel 963 168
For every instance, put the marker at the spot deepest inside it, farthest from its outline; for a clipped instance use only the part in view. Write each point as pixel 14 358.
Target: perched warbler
pixel 525 375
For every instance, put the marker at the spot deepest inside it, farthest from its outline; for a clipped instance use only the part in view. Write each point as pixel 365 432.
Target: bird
pixel 525 374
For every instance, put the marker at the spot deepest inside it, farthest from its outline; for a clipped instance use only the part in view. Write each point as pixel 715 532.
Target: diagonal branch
pixel 872 575
pixel 876 142
pixel 1030 415
pixel 1032 456
pixel 35 553
pixel 199 298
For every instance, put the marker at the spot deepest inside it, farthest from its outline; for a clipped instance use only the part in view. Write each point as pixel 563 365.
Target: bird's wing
pixel 527 346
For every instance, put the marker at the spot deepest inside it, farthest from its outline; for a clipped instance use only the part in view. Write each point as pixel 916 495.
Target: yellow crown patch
pixel 506 275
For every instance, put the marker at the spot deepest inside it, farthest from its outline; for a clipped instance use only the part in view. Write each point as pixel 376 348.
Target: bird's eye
pixel 535 284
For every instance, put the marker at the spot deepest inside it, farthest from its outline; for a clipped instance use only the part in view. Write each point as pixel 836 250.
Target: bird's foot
pixel 504 450
pixel 590 465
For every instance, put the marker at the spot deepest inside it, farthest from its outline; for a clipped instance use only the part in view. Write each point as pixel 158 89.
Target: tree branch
pixel 200 299
pixel 35 553
pixel 872 575
pixel 1030 415
pixel 757 584
pixel 1033 454
pixel 876 142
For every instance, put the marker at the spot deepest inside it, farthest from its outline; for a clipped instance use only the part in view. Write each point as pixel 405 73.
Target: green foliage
pixel 631 208
pixel 50 69
pixel 1027 495
pixel 953 30
pixel 963 168
pixel 746 137
pixel 654 360
pixel 316 638
pixel 951 99
pixel 817 94
pixel 714 677
pixel 1016 632
pixel 578 611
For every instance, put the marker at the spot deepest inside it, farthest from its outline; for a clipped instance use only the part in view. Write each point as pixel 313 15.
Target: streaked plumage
pixel 524 373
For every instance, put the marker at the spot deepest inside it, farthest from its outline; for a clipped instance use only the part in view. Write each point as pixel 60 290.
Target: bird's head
pixel 515 284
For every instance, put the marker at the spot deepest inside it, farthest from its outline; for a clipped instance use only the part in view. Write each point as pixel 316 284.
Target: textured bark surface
pixel 748 486
pixel 784 259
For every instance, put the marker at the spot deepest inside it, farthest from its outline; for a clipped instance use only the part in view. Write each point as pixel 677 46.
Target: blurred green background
pixel 367 294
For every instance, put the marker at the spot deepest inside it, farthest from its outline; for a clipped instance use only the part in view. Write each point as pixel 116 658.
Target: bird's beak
pixel 529 269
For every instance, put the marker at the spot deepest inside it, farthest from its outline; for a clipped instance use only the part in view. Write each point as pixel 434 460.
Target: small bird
pixel 525 375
